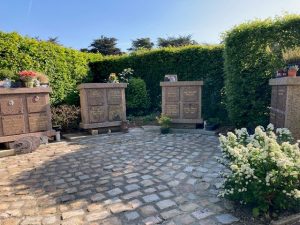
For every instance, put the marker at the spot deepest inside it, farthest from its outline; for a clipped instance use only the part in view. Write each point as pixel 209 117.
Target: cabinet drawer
pixel 13 125
pixel 11 105
pixel 38 122
pixel 37 103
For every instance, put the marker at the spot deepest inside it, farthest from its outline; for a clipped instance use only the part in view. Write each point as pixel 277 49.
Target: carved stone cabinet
pixel 182 101
pixel 285 104
pixel 25 112
pixel 102 105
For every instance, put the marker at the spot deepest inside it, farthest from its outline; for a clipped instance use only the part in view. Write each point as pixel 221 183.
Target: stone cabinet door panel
pixel 172 110
pixel 114 96
pixel 11 105
pixel 36 103
pixel 190 110
pixel 273 116
pixel 190 94
pixel 281 98
pixel 97 114
pixel 172 94
pixel 38 122
pixel 12 125
pixel 115 113
pixel 280 120
pixel 96 96
pixel 274 97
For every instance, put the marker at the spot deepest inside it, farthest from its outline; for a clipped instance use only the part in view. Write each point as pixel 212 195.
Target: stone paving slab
pixel 140 177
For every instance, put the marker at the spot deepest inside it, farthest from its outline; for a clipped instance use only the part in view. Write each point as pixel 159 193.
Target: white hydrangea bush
pixel 264 169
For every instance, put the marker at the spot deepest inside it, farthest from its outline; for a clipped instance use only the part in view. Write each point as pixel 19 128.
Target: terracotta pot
pixel 292 73
pixel 29 84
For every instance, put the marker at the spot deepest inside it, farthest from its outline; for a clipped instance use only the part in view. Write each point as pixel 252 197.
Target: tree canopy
pixel 105 46
pixel 176 41
pixel 141 43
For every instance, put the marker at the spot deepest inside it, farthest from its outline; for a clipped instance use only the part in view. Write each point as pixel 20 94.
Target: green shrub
pixel 164 121
pixel 189 63
pixel 5 73
pixel 65 67
pixel 66 116
pixel 137 99
pixel 264 169
pixel 253 52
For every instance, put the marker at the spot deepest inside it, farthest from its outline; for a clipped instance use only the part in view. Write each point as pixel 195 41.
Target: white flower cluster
pixel 265 161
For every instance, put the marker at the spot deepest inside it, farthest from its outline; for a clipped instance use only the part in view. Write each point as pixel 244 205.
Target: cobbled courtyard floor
pixel 134 178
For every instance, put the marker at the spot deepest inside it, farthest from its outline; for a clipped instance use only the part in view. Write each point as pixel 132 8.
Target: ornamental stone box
pixel 181 101
pixel 102 105
pixel 285 104
pixel 25 117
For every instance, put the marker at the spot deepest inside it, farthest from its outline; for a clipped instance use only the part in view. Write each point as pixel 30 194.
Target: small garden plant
pixel 264 169
pixel 165 122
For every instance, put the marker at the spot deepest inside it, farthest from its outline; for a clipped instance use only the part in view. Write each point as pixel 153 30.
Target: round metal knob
pixel 11 102
pixel 36 98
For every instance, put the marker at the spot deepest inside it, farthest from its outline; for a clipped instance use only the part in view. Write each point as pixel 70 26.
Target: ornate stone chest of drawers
pixel 285 104
pixel 182 101
pixel 102 105
pixel 24 112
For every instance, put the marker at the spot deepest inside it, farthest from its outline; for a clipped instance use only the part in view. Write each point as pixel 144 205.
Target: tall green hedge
pixel 252 55
pixel 189 63
pixel 65 67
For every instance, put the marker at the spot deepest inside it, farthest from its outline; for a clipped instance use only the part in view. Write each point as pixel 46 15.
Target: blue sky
pixel 78 22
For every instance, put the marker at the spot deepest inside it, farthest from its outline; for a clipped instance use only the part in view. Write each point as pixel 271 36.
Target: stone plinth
pixel 285 104
pixel 24 112
pixel 182 101
pixel 102 105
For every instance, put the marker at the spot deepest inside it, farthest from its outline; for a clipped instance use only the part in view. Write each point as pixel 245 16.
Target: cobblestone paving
pixel 134 178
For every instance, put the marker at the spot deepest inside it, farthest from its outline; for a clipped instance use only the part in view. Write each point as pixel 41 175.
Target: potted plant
pixel 113 78
pixel 292 72
pixel 212 124
pixel 164 122
pixel 43 79
pixel 8 78
pixel 28 76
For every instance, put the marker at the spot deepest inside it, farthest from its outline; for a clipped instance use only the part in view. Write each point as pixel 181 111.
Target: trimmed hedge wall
pixel 252 55
pixel 189 63
pixel 65 67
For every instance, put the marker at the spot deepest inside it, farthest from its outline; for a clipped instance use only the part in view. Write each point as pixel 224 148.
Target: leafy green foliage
pixel 253 52
pixel 176 41
pixel 65 67
pixel 189 63
pixel 291 55
pixel 137 99
pixel 164 121
pixel 6 73
pixel 105 46
pixel 66 116
pixel 53 40
pixel 141 43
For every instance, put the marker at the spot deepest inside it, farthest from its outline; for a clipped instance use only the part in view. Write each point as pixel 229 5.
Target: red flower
pixel 27 73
